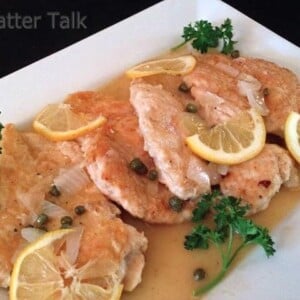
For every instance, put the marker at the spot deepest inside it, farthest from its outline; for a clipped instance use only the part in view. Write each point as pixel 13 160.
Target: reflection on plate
pixel 100 57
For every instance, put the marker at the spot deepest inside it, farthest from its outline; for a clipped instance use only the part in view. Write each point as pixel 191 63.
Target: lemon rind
pixel 221 157
pixel 41 242
pixel 69 134
pixel 290 135
pixel 135 73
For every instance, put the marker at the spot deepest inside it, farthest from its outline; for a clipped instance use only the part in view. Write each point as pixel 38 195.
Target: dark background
pixel 19 48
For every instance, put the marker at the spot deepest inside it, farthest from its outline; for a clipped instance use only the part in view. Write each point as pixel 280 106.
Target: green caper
pixel 66 220
pixel 235 54
pixel 183 87
pixel 54 191
pixel 266 92
pixel 152 175
pixel 41 220
pixel 176 203
pixel 79 210
pixel 191 108
pixel 138 166
pixel 199 274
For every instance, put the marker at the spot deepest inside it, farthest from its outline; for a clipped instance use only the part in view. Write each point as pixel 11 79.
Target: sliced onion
pixel 53 210
pixel 73 244
pixel 198 172
pixel 31 198
pixel 222 169
pixel 31 234
pixel 214 175
pixel 257 101
pixel 71 180
pixel 231 71
pixel 256 85
pixel 216 171
pixel 255 98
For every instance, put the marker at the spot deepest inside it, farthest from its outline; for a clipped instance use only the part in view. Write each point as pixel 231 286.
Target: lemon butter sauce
pixel 169 268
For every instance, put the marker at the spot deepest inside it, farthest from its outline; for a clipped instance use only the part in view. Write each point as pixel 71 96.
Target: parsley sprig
pixel 230 220
pixel 203 35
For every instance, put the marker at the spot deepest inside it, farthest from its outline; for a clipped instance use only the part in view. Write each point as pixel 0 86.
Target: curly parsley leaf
pixel 203 35
pixel 228 210
pixel 226 35
pixel 204 205
pixel 229 218
pixel 199 238
pixel 260 236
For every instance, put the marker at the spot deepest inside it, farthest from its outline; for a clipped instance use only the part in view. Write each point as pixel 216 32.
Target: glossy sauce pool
pixel 169 268
pixel 168 272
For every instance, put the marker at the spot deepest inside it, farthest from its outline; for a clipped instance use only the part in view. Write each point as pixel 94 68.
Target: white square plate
pixel 95 60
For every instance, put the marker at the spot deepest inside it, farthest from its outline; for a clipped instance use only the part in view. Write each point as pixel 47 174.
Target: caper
pixel 79 210
pixel 235 54
pixel 138 166
pixel 41 220
pixel 54 191
pixel 199 274
pixel 191 108
pixel 266 92
pixel 152 175
pixel 176 203
pixel 66 220
pixel 184 88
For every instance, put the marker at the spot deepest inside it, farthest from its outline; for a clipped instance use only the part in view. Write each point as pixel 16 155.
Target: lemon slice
pixel 233 142
pixel 39 273
pixel 58 122
pixel 174 66
pixel 292 134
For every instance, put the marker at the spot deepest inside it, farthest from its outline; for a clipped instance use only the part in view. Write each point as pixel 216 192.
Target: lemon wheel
pixel 39 271
pixel 292 134
pixel 58 122
pixel 174 66
pixel 233 142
